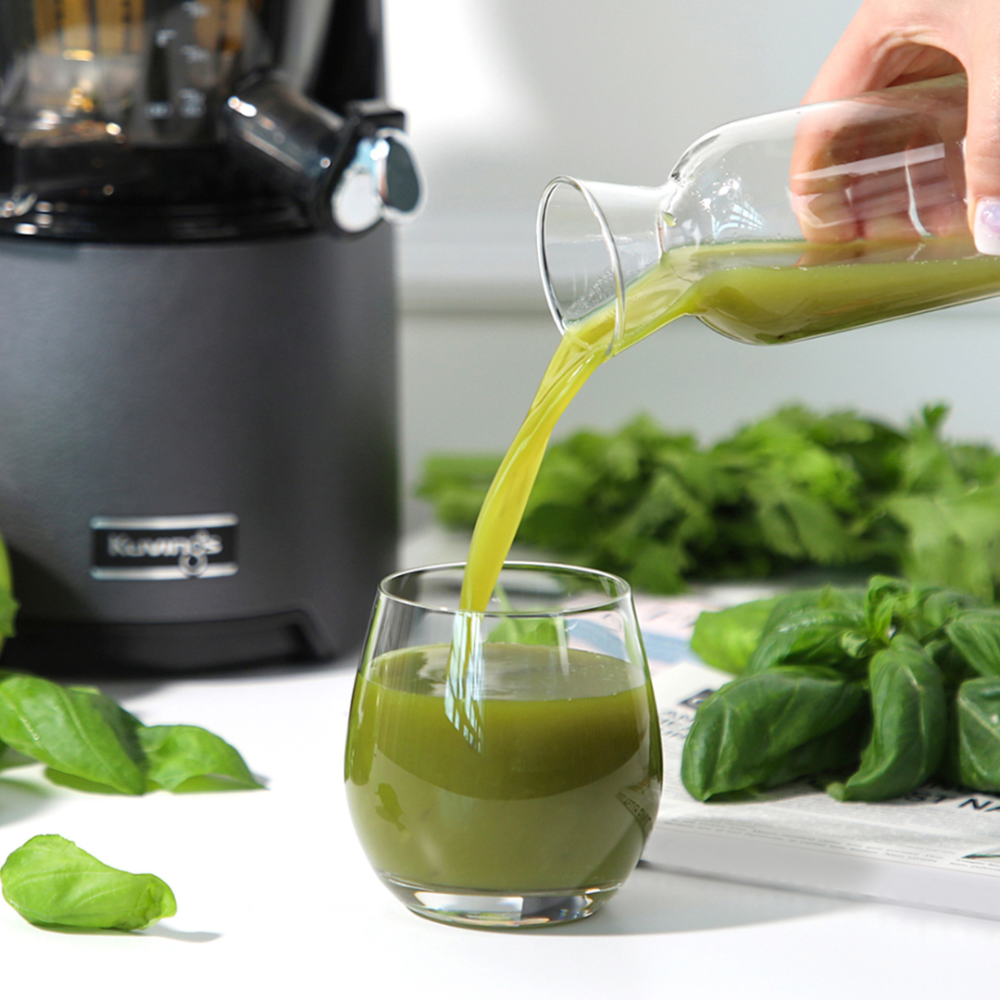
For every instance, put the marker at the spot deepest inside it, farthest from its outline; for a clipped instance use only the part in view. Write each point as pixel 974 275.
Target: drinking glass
pixel 503 768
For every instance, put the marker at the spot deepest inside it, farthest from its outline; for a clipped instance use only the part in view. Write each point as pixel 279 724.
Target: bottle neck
pixel 594 240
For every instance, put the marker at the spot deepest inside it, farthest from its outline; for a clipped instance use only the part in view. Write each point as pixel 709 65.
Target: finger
pixel 890 42
pixel 862 59
pixel 861 171
pixel 982 143
pixel 825 218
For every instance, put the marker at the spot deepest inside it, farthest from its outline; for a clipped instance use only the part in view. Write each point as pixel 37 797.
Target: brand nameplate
pixel 194 547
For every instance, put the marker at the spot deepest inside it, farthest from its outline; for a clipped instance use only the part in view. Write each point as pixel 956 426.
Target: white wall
pixel 503 95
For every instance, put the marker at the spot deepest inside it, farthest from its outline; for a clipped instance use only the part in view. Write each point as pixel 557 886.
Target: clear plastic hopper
pixel 193 103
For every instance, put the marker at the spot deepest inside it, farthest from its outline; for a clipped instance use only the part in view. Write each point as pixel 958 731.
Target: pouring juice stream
pixel 762 293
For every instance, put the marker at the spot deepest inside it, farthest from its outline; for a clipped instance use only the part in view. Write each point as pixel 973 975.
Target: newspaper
pixel 938 847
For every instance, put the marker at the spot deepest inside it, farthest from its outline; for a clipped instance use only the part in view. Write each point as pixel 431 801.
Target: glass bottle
pixel 780 227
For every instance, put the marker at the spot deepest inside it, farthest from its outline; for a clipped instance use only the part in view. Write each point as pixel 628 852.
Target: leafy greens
pixel 871 693
pixel 8 606
pixel 794 489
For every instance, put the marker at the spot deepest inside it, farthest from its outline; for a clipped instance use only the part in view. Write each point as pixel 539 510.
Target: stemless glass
pixel 503 768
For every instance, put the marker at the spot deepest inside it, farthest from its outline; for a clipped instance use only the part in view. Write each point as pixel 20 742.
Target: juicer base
pixel 234 396
pixel 59 649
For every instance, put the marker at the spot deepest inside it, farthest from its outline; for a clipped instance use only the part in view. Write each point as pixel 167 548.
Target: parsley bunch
pixel 795 489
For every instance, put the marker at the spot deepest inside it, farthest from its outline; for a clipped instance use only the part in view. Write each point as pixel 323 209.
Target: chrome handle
pixel 382 181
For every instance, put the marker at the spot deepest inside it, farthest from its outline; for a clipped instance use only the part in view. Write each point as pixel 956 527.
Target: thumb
pixel 982 148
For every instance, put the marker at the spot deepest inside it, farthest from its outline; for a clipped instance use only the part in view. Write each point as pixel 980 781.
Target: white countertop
pixel 276 899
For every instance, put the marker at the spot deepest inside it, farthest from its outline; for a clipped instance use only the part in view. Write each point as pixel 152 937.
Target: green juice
pixel 534 769
pixel 780 292
pixel 758 293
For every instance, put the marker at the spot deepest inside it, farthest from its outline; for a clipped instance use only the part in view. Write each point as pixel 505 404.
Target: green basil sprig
pixel 83 733
pixel 871 693
pixel 53 883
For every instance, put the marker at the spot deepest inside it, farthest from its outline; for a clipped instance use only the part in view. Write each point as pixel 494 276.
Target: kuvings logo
pixel 163 548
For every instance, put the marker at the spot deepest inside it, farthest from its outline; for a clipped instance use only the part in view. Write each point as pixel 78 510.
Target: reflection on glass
pixel 503 768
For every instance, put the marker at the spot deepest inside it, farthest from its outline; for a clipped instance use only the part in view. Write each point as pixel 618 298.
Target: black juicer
pixel 197 387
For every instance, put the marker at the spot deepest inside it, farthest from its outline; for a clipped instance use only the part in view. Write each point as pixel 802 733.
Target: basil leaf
pixel 850 600
pixel 836 750
pixel 893 605
pixel 726 639
pixel 954 669
pixel 885 600
pixel 8 606
pixel 976 636
pixel 909 725
pixel 743 734
pixel 807 636
pixel 531 631
pixel 179 755
pixel 976 735
pixel 857 645
pixel 78 732
pixel 935 607
pixel 52 882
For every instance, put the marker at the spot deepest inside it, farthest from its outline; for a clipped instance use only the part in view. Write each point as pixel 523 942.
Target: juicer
pixel 197 400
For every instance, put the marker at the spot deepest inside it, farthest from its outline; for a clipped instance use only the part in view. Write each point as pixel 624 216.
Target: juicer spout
pixel 348 171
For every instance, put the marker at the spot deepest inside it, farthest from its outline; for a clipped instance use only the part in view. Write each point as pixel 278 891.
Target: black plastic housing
pixel 252 378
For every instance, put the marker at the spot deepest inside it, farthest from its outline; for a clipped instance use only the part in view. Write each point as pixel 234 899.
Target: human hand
pixel 885 166
pixel 891 42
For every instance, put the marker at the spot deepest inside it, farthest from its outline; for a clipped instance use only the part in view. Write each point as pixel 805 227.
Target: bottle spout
pixel 594 239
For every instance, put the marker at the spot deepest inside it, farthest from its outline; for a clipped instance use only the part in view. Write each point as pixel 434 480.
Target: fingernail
pixel 987 227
